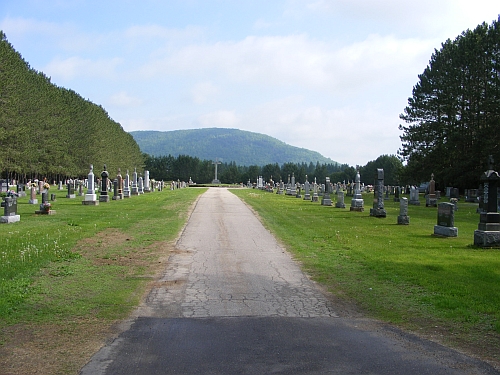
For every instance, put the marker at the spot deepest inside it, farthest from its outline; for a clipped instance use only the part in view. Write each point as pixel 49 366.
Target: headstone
pixel 298 191
pixel 60 185
pixel 4 186
pixel 90 198
pixel 397 192
pixel 119 180
pixel 414 199
pixel 378 200
pixel 135 189
pixel 471 195
pixel 52 197
pixel 357 202
pixel 326 200
pixel 293 187
pixel 115 190
pixel 147 187
pixel 140 187
pixel 9 205
pixel 33 199
pixel 446 221
pixel 307 194
pixel 340 199
pixel 430 199
pixel 315 197
pixel 80 188
pixel 403 218
pixel 126 186
pixel 71 190
pixel 103 193
pixel 488 230
pixel 454 193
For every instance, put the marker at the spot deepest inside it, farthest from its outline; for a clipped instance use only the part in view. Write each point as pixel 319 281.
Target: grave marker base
pixel 10 219
pixel 440 230
pixel 486 238
pixel 90 203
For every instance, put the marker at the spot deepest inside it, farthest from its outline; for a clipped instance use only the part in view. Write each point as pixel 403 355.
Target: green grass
pixel 400 274
pixel 43 275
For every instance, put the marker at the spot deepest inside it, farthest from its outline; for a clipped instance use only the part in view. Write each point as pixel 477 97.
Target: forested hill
pixel 242 147
pixel 49 131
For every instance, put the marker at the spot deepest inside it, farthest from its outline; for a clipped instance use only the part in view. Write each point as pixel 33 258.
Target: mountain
pixel 242 147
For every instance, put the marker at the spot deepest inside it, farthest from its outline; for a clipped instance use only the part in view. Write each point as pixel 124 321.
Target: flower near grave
pixel 45 206
pixel 9 193
pixel 46 185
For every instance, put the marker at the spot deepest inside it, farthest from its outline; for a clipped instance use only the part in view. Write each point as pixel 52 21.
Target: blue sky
pixel 327 75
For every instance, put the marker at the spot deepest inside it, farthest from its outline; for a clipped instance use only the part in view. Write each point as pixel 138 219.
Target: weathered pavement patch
pixel 232 301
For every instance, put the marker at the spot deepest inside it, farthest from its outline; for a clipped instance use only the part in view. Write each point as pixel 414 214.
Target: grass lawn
pixel 442 288
pixel 66 278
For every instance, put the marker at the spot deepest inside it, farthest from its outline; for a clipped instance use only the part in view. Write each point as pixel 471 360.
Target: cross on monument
pixel 216 162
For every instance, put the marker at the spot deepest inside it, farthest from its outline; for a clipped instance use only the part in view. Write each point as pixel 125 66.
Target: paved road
pixel 232 301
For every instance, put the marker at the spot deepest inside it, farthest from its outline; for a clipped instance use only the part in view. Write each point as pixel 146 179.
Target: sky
pixel 331 76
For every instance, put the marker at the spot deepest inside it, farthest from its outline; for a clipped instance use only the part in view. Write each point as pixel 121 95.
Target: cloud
pixel 73 67
pixel 204 92
pixel 219 119
pixel 122 99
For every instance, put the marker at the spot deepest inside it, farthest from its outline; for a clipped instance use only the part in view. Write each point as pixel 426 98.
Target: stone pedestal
pixel 10 219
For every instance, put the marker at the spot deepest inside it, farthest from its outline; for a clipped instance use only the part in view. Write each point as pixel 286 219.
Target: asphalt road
pixel 232 301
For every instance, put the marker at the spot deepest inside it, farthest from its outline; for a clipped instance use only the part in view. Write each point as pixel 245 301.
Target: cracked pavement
pixel 232 301
pixel 222 268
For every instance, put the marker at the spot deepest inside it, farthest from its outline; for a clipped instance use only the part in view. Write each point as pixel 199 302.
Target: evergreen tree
pixel 453 117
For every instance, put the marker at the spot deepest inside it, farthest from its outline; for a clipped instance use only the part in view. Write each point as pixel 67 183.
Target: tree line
pixel 184 168
pixel 49 131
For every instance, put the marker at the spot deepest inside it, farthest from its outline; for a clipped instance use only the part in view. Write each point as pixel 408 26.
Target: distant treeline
pixel 184 167
pixel 49 131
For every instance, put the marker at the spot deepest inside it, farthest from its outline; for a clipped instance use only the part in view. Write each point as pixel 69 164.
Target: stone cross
pixel 216 162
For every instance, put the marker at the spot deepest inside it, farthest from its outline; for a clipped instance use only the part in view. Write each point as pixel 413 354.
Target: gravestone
pixel 454 193
pixel 135 189
pixel 90 198
pixel 293 187
pixel 119 179
pixel 71 190
pixel 4 186
pixel 147 188
pixel 403 218
pixel 126 186
pixel 315 197
pixel 115 190
pixel 10 215
pixel 414 199
pixel 103 193
pixel 397 192
pixel 340 200
pixel 378 200
pixel 298 191
pixel 288 190
pixel 140 188
pixel 307 194
pixel 60 187
pixel 471 195
pixel 33 199
pixel 446 220
pixel 430 199
pixel 326 200
pixel 357 202
pixel 488 230
pixel 80 188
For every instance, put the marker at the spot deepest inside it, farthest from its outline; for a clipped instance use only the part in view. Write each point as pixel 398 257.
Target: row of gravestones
pixel 487 234
pixel 122 189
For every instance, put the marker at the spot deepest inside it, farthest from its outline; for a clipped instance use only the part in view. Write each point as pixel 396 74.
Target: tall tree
pixel 453 117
